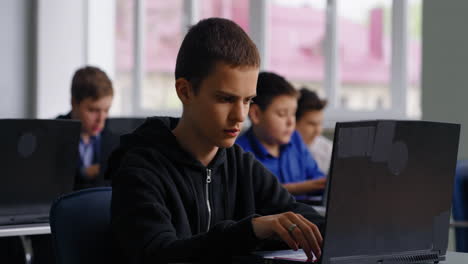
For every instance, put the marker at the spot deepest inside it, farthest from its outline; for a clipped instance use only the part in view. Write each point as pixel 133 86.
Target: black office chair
pixel 460 206
pixel 80 225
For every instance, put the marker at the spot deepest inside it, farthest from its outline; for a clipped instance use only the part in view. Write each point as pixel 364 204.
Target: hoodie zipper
pixel 207 188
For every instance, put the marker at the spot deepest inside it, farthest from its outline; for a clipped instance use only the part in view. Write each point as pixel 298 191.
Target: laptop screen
pixel 391 188
pixel 38 161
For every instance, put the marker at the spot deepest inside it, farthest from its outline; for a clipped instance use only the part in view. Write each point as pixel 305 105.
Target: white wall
pixel 60 51
pixel 445 65
pixel 16 82
pixel 71 34
pixel 101 35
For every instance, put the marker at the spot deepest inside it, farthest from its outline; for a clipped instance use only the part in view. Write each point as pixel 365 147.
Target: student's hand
pixel 294 229
pixel 319 184
pixel 308 186
pixel 92 171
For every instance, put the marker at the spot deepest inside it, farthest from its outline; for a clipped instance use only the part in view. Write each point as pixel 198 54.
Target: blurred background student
pixel 91 99
pixel 273 140
pixel 309 124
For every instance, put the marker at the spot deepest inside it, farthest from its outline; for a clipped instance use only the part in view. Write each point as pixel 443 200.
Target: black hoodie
pixel 168 207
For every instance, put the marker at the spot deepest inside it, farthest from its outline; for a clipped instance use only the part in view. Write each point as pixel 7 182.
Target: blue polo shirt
pixel 294 164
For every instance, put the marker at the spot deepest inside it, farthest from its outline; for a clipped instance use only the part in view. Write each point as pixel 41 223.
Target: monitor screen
pixel 38 161
pixel 123 125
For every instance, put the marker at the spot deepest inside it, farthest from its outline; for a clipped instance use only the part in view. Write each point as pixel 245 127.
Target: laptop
pixel 389 198
pixel 38 159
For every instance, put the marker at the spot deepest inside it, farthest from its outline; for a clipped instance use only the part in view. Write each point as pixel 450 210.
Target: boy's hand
pixel 319 183
pixel 92 171
pixel 294 229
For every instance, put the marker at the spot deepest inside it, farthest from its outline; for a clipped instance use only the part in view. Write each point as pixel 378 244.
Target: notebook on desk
pixel 389 198
pixel 38 159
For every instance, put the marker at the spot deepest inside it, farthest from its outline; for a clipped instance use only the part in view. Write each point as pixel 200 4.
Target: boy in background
pixel 274 141
pixel 309 123
pixel 91 99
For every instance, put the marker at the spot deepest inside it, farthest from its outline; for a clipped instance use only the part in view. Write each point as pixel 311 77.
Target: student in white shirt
pixel 309 123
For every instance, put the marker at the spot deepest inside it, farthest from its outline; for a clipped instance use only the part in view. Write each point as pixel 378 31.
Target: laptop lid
pixel 38 161
pixel 390 192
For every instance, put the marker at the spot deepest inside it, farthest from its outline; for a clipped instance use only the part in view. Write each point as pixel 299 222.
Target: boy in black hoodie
pixel 182 191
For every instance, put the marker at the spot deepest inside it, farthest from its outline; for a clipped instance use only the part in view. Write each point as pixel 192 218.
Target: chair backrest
pixel 460 206
pixel 80 225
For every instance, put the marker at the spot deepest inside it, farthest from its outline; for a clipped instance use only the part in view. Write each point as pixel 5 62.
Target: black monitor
pixel 37 160
pixel 115 127
pixel 391 192
pixel 123 125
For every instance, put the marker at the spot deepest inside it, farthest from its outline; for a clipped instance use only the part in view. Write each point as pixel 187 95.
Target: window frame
pixel 258 15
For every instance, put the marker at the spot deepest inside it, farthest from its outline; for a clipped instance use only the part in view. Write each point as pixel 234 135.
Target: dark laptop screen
pixel 391 188
pixel 37 160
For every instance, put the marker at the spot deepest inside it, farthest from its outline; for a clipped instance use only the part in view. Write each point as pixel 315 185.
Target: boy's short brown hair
pixel 269 86
pixel 90 82
pixel 309 101
pixel 211 41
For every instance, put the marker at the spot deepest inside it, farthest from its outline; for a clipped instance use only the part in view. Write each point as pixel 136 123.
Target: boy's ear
pixel 184 90
pixel 255 114
pixel 74 104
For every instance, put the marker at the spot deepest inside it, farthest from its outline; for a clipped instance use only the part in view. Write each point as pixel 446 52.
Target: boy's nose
pixel 238 112
pixel 291 121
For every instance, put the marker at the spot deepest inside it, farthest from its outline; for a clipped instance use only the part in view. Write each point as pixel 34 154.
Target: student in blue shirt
pixel 273 139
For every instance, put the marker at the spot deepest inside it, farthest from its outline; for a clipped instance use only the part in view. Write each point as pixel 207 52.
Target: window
pixel 414 58
pixel 124 63
pixel 364 52
pixel 296 35
pixel 364 56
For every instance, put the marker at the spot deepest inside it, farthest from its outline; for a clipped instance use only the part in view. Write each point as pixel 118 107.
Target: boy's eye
pixel 248 101
pixel 282 114
pixel 226 99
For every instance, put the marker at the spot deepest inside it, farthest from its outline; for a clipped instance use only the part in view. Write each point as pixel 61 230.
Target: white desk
pixel 456 258
pixel 322 210
pixel 24 230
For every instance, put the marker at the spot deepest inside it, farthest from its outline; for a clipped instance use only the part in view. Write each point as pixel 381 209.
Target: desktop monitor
pixel 37 160
pixel 123 125
pixel 115 127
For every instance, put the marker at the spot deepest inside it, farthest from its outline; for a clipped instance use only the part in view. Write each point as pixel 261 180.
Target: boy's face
pixel 275 125
pixel 92 114
pixel 310 125
pixel 221 104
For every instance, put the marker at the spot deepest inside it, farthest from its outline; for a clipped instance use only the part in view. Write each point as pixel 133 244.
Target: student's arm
pixel 272 198
pixel 315 178
pixel 304 187
pixel 141 221
pixel 280 210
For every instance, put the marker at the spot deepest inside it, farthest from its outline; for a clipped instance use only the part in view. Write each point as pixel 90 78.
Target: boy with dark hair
pixel 274 141
pixel 91 99
pixel 309 116
pixel 181 191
